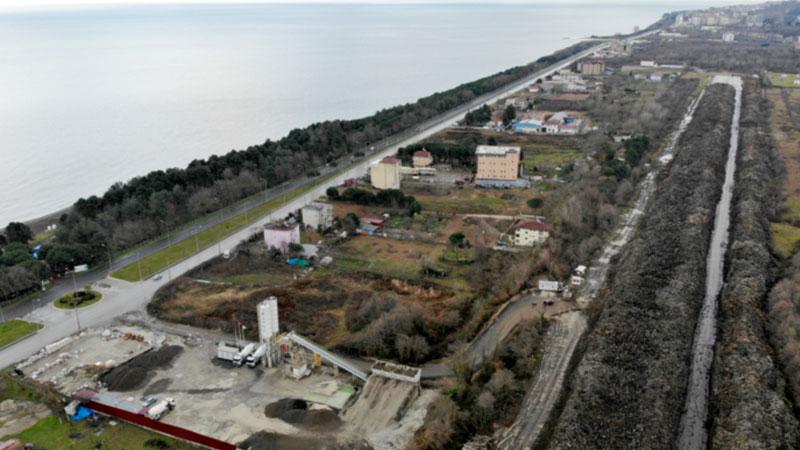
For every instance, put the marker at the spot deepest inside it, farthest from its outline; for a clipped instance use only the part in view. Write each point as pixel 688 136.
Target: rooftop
pixel 535 226
pixel 280 226
pixel 318 206
pixel 495 150
pixel 422 154
pixel 389 160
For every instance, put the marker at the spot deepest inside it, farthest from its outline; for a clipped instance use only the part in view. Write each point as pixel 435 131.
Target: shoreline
pixel 40 222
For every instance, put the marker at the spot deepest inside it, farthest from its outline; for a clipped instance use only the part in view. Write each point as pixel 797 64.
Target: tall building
pixel 385 174
pixel 592 67
pixel 497 165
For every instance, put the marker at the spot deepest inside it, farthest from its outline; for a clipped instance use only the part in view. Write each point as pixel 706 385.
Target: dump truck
pixel 255 358
pixel 157 411
pixel 241 357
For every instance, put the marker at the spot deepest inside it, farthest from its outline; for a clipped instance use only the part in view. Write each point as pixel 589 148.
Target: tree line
pixel 147 206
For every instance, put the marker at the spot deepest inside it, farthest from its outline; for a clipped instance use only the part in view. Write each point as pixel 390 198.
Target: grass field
pixel 548 158
pixel 785 237
pixel 179 251
pixel 387 257
pixel 478 201
pixel 785 80
pixel 55 432
pixel 16 329
pixel 68 301
pixel 792 213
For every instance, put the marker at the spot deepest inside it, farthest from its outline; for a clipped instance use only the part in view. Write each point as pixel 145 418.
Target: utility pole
pixel 2 316
pixel 75 286
pixel 110 260
pixel 139 265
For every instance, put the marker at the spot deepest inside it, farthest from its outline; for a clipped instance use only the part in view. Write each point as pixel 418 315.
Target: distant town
pixel 600 251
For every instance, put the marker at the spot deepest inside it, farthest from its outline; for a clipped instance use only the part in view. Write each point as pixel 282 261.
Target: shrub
pixel 535 203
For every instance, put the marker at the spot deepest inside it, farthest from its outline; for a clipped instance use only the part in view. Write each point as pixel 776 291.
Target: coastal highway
pixel 120 296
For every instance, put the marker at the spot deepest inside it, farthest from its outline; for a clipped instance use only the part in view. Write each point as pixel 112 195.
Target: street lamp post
pixel 110 260
pixel 75 286
pixel 139 265
pixel 169 241
pixel 2 315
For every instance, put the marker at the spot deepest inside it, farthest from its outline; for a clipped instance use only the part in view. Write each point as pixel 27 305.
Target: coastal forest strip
pixel 628 389
pixel 146 207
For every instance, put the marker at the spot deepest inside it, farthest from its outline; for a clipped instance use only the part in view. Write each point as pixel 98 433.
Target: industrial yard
pixel 133 366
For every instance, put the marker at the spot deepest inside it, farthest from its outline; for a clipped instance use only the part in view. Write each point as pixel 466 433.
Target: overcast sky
pixel 15 4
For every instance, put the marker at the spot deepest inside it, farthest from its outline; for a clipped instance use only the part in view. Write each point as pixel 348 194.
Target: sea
pixel 91 96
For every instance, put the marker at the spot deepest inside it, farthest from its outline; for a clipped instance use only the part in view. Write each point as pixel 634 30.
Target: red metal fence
pixel 171 430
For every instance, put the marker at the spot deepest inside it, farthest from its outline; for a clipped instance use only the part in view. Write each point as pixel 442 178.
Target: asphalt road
pixel 122 297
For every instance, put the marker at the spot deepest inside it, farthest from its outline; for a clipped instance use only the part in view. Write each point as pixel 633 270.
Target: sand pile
pixel 136 372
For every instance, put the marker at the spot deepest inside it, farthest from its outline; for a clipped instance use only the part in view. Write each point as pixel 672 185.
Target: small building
pixel 620 46
pixel 580 270
pixel 656 77
pixel 728 37
pixel 498 166
pixel 550 286
pixel 422 158
pixel 527 126
pixel 645 63
pixel 528 233
pixel 279 236
pixel 593 67
pixel 620 138
pixel 576 280
pixel 385 174
pixel 318 215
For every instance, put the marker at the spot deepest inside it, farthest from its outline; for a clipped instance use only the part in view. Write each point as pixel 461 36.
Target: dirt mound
pixel 136 372
pixel 271 441
pixel 321 420
pixel 283 406
pixel 296 412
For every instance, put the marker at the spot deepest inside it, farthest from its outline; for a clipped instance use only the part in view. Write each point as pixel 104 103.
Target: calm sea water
pixel 95 96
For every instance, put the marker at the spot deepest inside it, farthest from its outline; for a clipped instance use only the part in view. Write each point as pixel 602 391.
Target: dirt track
pixel 563 337
pixel 560 341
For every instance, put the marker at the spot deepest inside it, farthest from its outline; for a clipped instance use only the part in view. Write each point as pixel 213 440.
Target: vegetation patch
pixel 57 432
pixel 16 329
pixel 78 299
pixel 784 80
pixel 547 158
pixel 785 238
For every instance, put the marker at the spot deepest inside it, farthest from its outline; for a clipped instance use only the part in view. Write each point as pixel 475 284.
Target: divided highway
pixel 384 148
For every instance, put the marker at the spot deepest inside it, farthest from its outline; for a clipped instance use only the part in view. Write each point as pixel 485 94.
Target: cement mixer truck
pixel 241 357
pixel 255 358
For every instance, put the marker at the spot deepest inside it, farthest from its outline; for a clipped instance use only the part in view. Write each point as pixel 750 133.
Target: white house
pixel 279 235
pixel 318 215
pixel 528 233
pixel 550 286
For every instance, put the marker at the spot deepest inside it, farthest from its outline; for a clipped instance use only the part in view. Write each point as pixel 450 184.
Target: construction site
pixel 282 391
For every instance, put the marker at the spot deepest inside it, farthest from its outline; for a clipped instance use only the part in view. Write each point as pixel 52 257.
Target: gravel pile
pixel 296 412
pixel 135 373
